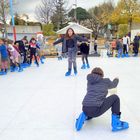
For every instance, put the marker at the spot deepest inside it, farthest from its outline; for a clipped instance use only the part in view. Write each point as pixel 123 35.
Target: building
pixel 21 31
pixel 79 29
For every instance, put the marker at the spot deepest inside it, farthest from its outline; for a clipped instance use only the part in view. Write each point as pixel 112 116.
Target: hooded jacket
pixel 97 89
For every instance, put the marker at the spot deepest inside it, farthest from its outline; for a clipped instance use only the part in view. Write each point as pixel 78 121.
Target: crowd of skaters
pixel 122 46
pixel 20 54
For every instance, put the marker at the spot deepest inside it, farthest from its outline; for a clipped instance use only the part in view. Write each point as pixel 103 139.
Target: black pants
pixel 112 102
pixel 95 48
pixel 33 53
pixel 25 57
pixel 125 49
pixel 85 57
pixel 136 49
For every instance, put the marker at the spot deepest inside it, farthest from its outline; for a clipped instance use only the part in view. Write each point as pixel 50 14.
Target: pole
pixel 75 11
pixel 4 19
pixel 13 21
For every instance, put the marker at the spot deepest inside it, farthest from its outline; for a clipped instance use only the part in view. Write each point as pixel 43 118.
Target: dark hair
pixel 32 39
pixel 67 35
pixel 98 71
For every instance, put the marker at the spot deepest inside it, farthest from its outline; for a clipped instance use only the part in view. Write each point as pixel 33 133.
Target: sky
pixel 28 6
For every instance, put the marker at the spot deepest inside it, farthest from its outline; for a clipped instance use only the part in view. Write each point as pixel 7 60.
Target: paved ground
pixel 42 104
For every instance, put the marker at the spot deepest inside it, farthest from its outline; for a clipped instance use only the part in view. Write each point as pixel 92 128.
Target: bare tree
pixel 45 10
pixel 3 13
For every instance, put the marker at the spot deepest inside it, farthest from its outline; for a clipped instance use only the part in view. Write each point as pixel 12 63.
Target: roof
pixel 78 29
pixel 24 29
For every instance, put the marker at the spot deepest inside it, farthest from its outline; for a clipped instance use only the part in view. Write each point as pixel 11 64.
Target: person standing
pixel 4 58
pixel 95 45
pixel 84 48
pixel 69 45
pixel 136 45
pixel 32 47
pixel 125 46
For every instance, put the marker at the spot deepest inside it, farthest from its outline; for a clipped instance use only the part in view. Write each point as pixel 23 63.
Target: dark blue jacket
pixel 4 53
pixel 84 48
pixel 97 89
pixel 75 39
pixel 136 41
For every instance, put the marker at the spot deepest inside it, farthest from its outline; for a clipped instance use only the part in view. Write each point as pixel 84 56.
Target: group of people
pixel 20 54
pixel 69 45
pixel 95 103
pixel 122 45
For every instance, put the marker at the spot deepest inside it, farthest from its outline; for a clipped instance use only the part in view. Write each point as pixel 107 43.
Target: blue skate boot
pixel 20 69
pixel 41 60
pixel 118 125
pixel 83 66
pixel 88 66
pixel 123 55
pixel 127 55
pixel 2 72
pixel 12 69
pixel 68 73
pixel 80 121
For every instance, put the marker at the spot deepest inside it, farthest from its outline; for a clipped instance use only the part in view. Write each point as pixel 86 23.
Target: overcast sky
pixel 28 6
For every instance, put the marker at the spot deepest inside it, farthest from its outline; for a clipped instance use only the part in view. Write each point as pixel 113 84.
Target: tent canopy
pixel 78 29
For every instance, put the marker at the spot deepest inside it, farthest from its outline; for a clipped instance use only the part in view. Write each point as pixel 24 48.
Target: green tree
pixel 48 29
pixel 82 14
pixel 123 30
pixel 59 18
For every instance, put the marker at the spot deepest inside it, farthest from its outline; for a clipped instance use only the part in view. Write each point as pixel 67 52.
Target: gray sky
pixel 28 6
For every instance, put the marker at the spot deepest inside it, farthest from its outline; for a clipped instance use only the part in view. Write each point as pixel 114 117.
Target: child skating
pixel 33 50
pixel 15 58
pixel 96 103
pixel 69 45
pixel 4 58
pixel 84 48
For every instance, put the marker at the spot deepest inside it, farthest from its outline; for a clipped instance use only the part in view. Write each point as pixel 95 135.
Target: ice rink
pixel 42 104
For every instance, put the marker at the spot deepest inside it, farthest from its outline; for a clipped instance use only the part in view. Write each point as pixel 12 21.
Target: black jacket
pixel 84 48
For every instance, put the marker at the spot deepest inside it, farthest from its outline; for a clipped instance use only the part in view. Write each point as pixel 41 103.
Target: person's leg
pixel 95 48
pixel 24 54
pixel 123 48
pixel 74 61
pixel 31 57
pixel 112 102
pixel 86 57
pixel 6 65
pixel 2 66
pixel 35 58
pixel 69 59
pixel 83 57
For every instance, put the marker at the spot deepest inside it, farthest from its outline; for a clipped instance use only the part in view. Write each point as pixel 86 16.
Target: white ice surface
pixel 42 104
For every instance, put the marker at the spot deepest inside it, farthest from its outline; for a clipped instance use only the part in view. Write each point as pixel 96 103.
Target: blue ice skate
pixel 127 55
pixel 123 55
pixel 3 73
pixel 41 60
pixel 118 125
pixel 80 121
pixel 13 69
pixel 83 66
pixel 68 73
pixel 88 66
pixel 20 69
